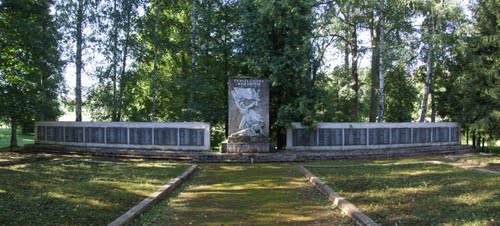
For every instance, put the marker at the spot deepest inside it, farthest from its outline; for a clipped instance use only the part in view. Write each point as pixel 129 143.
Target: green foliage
pixel 275 44
pixel 30 75
pixel 401 96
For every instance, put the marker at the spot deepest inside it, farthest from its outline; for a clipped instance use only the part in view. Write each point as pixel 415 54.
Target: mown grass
pixel 244 194
pixel 416 194
pixel 22 139
pixel 76 192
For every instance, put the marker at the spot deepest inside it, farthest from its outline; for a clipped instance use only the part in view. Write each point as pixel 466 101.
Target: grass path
pixel 243 194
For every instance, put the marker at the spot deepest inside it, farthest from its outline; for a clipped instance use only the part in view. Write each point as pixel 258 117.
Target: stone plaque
pixel 55 133
pixel 355 137
pixel 73 134
pixel 116 135
pixel 143 136
pixel 421 135
pixel 330 137
pixel 304 137
pixel 94 135
pixel 455 134
pixel 248 107
pixel 191 137
pixel 440 134
pixel 379 136
pixel 40 133
pixel 165 136
pixel 401 135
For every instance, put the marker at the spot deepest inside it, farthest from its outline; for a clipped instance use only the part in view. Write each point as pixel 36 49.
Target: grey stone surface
pixel 248 106
pixel 247 147
pixel 455 134
pixel 139 135
pixel 330 137
pixel 253 96
pixel 142 136
pixel 191 137
pixel 401 135
pixel 40 134
pixel 166 136
pixel 304 137
pixel 55 133
pixel 94 135
pixel 116 135
pixel 379 136
pixel 422 135
pixel 440 134
pixel 355 137
pixel 73 134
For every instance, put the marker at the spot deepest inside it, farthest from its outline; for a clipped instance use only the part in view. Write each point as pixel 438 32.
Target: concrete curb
pixel 344 205
pixel 150 201
pixel 282 156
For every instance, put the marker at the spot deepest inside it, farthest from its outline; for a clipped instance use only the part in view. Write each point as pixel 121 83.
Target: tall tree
pixel 75 18
pixel 275 44
pixel 30 76
pixel 155 67
pixel 382 65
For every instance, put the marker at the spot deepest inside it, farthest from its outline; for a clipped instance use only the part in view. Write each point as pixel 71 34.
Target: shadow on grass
pixel 74 193
pixel 418 194
pixel 260 194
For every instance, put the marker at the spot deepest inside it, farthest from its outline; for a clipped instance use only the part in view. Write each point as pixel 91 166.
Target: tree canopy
pixel 333 61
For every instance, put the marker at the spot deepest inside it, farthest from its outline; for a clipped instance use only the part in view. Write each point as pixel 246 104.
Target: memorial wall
pixel 148 135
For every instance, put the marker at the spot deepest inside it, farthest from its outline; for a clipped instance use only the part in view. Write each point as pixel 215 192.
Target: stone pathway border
pixel 344 205
pixel 150 201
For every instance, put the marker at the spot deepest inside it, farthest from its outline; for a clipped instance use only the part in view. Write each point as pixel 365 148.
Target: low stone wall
pixel 139 135
pixel 359 136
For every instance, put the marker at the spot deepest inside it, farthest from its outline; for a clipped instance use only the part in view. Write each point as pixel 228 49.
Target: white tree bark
pixel 155 67
pixel 382 66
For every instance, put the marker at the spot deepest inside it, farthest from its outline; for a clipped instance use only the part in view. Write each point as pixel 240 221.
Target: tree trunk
pixel 467 136
pixel 433 103
pixel 354 73
pixel 78 60
pixel 114 114
pixel 193 59
pixel 375 68
pixel 123 80
pixel 13 133
pixel 155 67
pixel 474 138
pixel 428 78
pixel 382 67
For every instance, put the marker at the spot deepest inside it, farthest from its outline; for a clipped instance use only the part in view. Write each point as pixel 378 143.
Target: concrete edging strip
pixel 344 205
pixel 148 202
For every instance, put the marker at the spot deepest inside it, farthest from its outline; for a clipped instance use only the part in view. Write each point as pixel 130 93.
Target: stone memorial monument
pixel 248 115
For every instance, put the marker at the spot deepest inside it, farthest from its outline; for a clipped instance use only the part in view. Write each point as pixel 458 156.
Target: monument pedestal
pixel 247 145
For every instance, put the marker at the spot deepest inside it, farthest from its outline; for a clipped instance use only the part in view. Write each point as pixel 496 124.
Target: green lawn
pixel 416 194
pixel 22 139
pixel 245 194
pixel 77 192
